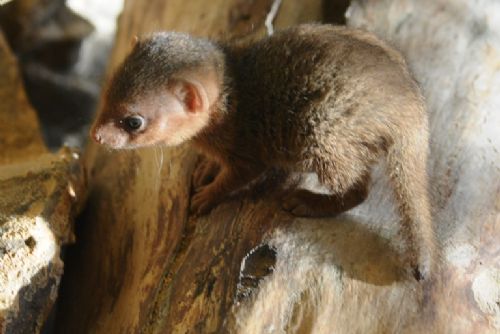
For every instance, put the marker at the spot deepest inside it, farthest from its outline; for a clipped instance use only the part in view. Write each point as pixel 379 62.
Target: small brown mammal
pixel 311 98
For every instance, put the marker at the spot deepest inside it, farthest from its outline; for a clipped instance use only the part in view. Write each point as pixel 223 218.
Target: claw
pixel 205 173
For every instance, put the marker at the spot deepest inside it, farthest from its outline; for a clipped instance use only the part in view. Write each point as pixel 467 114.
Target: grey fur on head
pixel 170 52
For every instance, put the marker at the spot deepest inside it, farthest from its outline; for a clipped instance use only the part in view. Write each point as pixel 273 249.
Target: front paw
pixel 203 201
pixel 205 173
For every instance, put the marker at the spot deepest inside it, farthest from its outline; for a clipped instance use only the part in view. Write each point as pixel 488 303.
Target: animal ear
pixel 194 97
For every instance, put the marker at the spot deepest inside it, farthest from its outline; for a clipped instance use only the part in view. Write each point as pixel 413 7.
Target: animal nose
pixel 97 137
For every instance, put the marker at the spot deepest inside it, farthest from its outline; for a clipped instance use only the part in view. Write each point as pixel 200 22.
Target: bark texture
pixel 39 195
pixel 144 265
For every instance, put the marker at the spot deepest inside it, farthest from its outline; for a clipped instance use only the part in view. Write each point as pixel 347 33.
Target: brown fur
pixel 312 98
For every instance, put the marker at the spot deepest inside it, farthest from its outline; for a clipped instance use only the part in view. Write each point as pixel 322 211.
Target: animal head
pixel 163 92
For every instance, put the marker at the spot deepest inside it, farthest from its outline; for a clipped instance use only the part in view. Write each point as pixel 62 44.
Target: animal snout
pixel 107 136
pixel 96 136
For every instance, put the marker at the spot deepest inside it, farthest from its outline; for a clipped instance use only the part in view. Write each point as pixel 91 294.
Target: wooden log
pixel 39 196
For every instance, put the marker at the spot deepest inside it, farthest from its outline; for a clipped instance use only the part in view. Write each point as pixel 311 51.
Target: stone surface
pixel 38 202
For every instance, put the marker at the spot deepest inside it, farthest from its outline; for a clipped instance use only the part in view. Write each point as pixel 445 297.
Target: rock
pixel 37 205
pixel 39 195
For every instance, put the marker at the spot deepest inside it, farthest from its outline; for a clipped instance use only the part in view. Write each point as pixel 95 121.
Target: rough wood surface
pixel 39 195
pixel 143 265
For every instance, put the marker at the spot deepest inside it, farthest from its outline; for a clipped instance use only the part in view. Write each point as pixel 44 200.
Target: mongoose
pixel 311 98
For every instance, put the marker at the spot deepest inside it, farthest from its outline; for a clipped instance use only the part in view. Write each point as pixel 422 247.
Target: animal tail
pixel 407 164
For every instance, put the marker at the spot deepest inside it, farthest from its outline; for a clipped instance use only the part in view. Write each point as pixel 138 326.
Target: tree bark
pixel 142 264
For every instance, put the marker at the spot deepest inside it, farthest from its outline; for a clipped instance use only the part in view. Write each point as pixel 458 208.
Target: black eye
pixel 133 122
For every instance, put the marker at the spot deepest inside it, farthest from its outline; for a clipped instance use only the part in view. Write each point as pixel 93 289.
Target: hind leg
pixel 343 166
pixel 304 203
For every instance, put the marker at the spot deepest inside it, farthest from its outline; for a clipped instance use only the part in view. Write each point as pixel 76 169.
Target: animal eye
pixel 133 122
